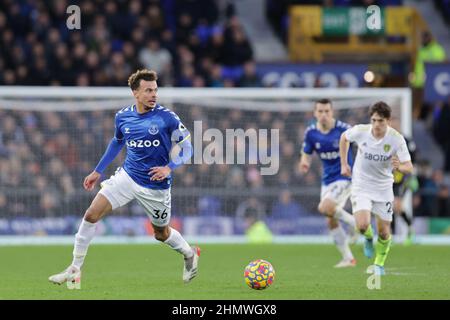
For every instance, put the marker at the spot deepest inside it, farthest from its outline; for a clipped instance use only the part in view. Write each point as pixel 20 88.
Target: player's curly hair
pixel 382 109
pixel 143 74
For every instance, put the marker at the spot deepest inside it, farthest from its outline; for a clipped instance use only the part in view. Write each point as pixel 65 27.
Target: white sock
pixel 83 238
pixel 340 239
pixel 177 243
pixel 346 217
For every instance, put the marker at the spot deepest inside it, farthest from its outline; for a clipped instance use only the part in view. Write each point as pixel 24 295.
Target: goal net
pixel 246 149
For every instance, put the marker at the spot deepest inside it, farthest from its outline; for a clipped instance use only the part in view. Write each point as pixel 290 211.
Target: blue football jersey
pixel 327 147
pixel 148 138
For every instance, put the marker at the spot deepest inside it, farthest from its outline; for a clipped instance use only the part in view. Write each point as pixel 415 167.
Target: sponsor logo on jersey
pixel 376 157
pixel 329 155
pixel 387 147
pixel 143 143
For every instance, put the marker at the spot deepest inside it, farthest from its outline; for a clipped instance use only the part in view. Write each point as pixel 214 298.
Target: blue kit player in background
pixel 323 138
pixel 148 131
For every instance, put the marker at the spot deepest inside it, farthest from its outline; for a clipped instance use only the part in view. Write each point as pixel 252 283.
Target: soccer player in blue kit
pixel 323 137
pixel 148 131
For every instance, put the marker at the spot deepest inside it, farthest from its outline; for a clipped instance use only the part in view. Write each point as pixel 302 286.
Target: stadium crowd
pixel 45 155
pixel 189 43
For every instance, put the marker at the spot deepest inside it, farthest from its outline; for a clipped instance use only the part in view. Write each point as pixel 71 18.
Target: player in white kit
pixel 381 149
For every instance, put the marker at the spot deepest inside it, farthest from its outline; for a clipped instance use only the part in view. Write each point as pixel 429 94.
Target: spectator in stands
pixel 209 206
pixel 215 77
pixel 37 49
pixel 250 78
pixel 235 179
pixel 215 46
pixel 286 207
pixel 49 206
pixel 251 207
pixel 237 49
pixel 154 57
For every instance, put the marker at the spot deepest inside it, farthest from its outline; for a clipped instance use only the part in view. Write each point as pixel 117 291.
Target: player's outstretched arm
pixel 305 163
pixel 344 145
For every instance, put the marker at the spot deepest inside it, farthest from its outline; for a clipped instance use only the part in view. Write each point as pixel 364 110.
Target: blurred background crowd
pixel 184 41
pixel 43 166
pixel 190 43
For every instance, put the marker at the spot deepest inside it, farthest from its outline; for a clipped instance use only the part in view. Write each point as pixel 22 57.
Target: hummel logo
pixel 127 130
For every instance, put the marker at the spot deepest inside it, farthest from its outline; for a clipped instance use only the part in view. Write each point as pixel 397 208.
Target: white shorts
pixel 121 189
pixel 338 191
pixel 383 209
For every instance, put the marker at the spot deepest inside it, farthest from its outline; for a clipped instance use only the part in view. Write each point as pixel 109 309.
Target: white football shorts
pixel 120 189
pixel 383 209
pixel 337 191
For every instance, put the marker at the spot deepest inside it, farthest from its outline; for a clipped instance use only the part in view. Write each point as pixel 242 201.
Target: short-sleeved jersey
pixel 148 137
pixel 372 172
pixel 326 145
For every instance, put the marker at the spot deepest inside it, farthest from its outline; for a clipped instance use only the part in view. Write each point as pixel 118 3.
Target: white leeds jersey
pixel 372 171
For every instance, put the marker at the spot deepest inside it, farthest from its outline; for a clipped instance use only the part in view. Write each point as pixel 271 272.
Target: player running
pixel 323 137
pixel 148 130
pixel 381 149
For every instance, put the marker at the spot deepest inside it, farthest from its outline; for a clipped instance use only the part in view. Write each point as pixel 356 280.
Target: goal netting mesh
pixel 51 138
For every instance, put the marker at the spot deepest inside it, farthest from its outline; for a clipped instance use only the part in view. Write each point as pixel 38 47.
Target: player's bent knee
pixel 362 227
pixel 332 223
pixel 161 234
pixel 98 208
pixel 326 209
pixel 397 208
pixel 160 237
pixel 384 235
pixel 91 215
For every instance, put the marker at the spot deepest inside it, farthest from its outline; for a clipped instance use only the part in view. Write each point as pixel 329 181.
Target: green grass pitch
pixel 154 272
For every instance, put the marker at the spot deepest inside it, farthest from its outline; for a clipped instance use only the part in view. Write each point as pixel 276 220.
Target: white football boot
pixel 191 266
pixel 72 276
pixel 345 263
